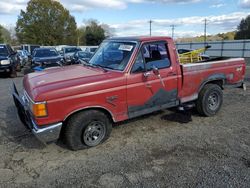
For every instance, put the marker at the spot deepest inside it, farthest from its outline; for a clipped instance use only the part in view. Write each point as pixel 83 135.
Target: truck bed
pixel 195 75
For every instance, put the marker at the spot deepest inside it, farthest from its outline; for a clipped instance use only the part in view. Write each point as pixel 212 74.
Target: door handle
pixel 171 74
pixel 147 74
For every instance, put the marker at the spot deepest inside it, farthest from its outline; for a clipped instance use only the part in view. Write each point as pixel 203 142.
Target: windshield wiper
pixel 103 68
pixel 93 65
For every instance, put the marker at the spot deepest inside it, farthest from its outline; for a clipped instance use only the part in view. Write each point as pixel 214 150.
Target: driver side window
pixel 139 65
pixel 152 55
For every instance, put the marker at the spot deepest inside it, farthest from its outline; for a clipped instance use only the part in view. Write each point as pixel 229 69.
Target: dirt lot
pixel 152 151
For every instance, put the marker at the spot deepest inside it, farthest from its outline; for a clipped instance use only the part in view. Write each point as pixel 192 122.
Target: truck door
pixel 152 82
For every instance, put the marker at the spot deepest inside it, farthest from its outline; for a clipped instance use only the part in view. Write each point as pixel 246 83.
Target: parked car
pixel 46 57
pixel 79 103
pixel 29 48
pixel 68 52
pixel 8 60
pixel 80 56
pixel 23 57
pixel 91 49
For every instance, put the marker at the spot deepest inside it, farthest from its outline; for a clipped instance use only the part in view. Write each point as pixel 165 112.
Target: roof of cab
pixel 140 38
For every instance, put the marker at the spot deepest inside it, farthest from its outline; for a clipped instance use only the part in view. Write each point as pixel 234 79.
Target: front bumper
pixel 5 68
pixel 46 134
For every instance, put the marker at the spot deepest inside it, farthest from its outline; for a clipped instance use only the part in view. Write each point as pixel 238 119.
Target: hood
pixel 47 59
pixel 69 54
pixel 3 58
pixel 65 81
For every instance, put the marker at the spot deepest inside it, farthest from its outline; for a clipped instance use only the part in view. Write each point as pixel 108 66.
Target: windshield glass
pixel 3 51
pixel 113 55
pixel 71 50
pixel 45 53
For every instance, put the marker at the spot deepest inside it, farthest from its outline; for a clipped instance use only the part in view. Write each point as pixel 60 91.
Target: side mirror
pixel 156 71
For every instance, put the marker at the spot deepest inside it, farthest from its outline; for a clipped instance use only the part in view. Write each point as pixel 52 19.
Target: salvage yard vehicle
pixel 68 52
pixel 9 62
pixel 91 49
pixel 126 78
pixel 46 57
pixel 23 57
pixel 80 56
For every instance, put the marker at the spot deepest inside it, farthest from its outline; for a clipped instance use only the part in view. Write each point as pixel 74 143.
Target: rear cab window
pixel 152 55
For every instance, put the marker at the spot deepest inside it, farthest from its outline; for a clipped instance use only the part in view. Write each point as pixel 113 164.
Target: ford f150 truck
pixel 126 78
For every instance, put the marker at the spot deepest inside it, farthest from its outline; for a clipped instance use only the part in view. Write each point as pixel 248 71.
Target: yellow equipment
pixel 192 56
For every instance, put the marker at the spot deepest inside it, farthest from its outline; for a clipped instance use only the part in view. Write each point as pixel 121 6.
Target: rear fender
pixel 218 79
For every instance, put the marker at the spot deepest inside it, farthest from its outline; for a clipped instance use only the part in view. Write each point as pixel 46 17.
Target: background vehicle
pixel 9 62
pixel 80 56
pixel 29 47
pixel 68 52
pixel 91 49
pixel 126 78
pixel 23 57
pixel 46 57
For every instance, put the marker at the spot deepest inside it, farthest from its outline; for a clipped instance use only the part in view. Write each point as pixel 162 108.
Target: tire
pixel 87 129
pixel 210 100
pixel 12 73
pixel 18 67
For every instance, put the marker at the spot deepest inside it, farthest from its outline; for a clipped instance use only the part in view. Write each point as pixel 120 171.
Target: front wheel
pixel 87 129
pixel 210 100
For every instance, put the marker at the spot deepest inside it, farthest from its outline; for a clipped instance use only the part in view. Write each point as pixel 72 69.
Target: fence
pixel 234 48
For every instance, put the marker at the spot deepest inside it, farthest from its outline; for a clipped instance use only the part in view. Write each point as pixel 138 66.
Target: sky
pixel 131 17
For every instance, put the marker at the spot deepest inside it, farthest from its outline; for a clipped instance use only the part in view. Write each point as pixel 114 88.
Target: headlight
pixel 5 62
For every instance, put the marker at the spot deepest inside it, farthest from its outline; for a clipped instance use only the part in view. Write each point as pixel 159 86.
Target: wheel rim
pixel 94 133
pixel 213 101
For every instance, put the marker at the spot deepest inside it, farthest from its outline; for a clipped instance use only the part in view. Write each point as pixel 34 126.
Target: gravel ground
pixel 156 150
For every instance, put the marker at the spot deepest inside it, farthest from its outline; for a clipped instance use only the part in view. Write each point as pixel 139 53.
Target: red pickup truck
pixel 126 78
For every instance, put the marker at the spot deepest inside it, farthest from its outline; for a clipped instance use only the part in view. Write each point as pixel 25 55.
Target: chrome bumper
pixel 47 134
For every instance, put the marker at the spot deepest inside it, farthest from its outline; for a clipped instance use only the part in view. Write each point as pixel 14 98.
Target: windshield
pixel 3 51
pixel 45 53
pixel 113 55
pixel 71 50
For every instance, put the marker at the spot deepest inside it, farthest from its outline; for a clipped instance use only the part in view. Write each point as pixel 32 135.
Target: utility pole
pixel 150 27
pixel 205 32
pixel 173 28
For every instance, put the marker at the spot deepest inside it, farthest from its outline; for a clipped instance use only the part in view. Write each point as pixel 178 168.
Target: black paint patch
pixel 161 99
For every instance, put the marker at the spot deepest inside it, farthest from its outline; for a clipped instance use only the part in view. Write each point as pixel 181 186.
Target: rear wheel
pixel 87 129
pixel 210 100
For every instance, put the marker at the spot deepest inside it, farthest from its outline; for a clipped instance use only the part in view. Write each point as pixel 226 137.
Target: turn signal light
pixel 39 110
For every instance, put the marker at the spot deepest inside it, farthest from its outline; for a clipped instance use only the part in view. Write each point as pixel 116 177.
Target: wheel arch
pixel 218 79
pixel 99 108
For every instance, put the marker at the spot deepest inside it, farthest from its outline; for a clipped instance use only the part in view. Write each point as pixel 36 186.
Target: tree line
pixel 47 22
